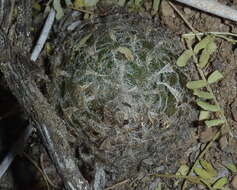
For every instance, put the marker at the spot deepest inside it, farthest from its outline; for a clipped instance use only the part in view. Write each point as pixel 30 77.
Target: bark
pixel 20 75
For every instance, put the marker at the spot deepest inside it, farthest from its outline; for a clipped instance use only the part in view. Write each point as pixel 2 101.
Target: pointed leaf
pixel 126 52
pixel 196 84
pixel 202 94
pixel 214 77
pixel 183 59
pixel 214 122
pixel 220 183
pixel 204 115
pixel 203 173
pixel 202 44
pixel 208 107
pixel 208 167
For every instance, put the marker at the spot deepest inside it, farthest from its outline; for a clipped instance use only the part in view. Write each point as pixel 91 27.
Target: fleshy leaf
pixel 203 173
pixel 214 122
pixel 183 59
pixel 126 52
pixel 208 167
pixel 208 107
pixel 220 183
pixel 203 115
pixel 214 77
pixel 196 84
pixel 202 94
pixel 203 44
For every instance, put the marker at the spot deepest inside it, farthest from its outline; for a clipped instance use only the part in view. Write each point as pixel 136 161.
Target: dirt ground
pixel 178 146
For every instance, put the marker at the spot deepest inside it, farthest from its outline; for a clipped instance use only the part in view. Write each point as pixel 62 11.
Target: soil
pixel 177 146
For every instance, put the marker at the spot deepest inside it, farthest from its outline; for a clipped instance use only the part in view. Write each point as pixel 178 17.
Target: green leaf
pixel 214 77
pixel 183 59
pixel 202 94
pixel 231 167
pixel 204 58
pixel 203 173
pixel 127 53
pixel 59 10
pixel 156 5
pixel 183 170
pixel 214 122
pixel 203 44
pixel 203 115
pixel 207 51
pixel 220 183
pixel 208 167
pixel 196 84
pixel 208 107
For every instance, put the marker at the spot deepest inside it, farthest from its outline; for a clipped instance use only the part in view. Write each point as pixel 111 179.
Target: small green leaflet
pixel 214 77
pixel 183 59
pixel 203 173
pixel 156 5
pixel 202 94
pixel 203 44
pixel 59 10
pixel 196 84
pixel 208 107
pixel 231 167
pixel 205 55
pixel 214 122
pixel 208 167
pixel 207 51
pixel 126 52
pixel 220 183
pixel 183 170
pixel 203 115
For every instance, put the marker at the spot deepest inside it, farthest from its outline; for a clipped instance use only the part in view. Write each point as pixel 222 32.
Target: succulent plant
pixel 118 84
